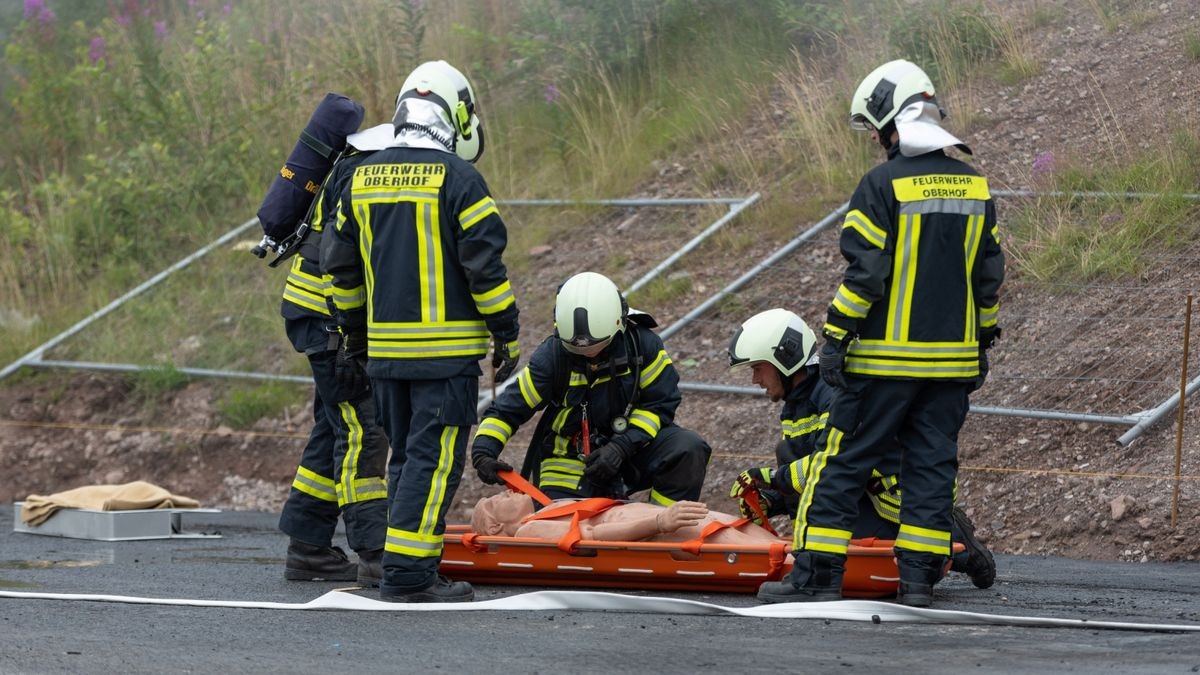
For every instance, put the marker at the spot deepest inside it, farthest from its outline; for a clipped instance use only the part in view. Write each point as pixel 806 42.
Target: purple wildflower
pixel 1043 163
pixel 34 8
pixel 160 29
pixel 227 9
pixel 96 49
pixel 46 16
pixel 552 93
pixel 123 20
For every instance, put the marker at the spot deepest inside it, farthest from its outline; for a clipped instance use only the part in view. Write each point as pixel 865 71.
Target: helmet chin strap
pixel 885 135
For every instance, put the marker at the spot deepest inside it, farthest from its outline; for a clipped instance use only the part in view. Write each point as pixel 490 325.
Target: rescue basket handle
pixel 517 483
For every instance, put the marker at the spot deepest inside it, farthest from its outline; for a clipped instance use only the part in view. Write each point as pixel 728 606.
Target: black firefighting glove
pixel 350 368
pixel 504 358
pixel 605 462
pixel 489 468
pixel 754 486
pixel 832 361
pixel 987 337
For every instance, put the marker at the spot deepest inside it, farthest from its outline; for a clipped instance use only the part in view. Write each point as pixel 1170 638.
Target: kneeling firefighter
pixel 608 392
pixel 341 470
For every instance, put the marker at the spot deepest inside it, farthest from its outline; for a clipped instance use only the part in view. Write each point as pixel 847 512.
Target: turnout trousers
pixel 429 424
pixel 672 465
pixel 342 468
pixel 924 417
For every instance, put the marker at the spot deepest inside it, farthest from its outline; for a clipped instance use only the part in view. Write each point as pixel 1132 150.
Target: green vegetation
pixel 149 385
pixel 243 406
pixel 142 129
pixel 1191 46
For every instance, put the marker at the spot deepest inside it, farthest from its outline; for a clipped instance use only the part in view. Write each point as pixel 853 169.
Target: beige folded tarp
pixel 127 497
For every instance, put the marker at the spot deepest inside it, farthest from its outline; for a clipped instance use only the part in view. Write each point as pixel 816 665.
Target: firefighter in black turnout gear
pixel 609 394
pixel 780 350
pixel 905 338
pixel 419 286
pixel 342 469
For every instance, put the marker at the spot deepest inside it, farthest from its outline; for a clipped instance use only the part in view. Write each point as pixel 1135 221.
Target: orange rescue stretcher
pixel 675 566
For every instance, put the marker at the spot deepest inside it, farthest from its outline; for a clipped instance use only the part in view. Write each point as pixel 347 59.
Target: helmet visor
pixel 588 350
pixel 859 122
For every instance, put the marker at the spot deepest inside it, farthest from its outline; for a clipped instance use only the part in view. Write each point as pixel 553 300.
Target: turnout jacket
pixel 306 293
pixel 924 273
pixel 632 379
pixel 804 414
pixel 415 258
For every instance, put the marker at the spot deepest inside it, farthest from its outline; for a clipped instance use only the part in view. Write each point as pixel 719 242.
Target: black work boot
pixel 306 562
pixel 919 571
pixel 370 568
pixel 977 562
pixel 441 590
pixel 815 577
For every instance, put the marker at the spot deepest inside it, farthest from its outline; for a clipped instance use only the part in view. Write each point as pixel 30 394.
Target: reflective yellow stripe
pixel 477 212
pixel 916 350
pixel 974 235
pixel 306 300
pixel 416 544
pixel 365 239
pixel 561 472
pixel 911 368
pixel 528 391
pixel 862 224
pixel 850 303
pixel 940 186
pixel 439 483
pixel 915 538
pixel 988 316
pixel 804 425
pixel 496 300
pixel 348 298
pixel 827 539
pixel 354 446
pixel 996 233
pixel 417 349
pixel 812 474
pixel 429 262
pixel 904 276
pixel 314 484
pixel 836 332
pixel 646 421
pixel 657 497
pixel 496 428
pixel 416 330
pixel 651 372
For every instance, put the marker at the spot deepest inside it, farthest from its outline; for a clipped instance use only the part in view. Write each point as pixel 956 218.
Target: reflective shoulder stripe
pixel 651 372
pixel 528 391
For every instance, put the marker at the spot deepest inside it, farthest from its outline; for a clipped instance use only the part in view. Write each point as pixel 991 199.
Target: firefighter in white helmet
pixel 905 336
pixel 608 393
pixel 780 350
pixel 419 286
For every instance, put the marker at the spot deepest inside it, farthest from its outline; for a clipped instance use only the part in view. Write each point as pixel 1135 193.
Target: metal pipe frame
pixel 191 372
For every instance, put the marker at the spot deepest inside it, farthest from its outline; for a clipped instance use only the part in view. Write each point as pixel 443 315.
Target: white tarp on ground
pixel 846 610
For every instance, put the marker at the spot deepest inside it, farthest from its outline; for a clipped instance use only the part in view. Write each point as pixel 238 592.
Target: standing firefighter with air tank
pixel 419 286
pixel 905 340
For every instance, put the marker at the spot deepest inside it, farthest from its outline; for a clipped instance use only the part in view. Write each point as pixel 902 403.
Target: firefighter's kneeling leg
pixel 672 465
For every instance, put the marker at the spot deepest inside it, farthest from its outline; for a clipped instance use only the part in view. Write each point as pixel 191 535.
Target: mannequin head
pixel 501 514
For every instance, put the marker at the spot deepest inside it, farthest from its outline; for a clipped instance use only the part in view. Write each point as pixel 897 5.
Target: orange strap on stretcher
pixel 517 483
pixel 580 510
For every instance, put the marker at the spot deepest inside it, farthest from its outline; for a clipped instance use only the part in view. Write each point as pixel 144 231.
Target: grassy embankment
pixel 139 137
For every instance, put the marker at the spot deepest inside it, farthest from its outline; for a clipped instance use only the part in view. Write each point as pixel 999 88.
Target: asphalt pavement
pixel 246 563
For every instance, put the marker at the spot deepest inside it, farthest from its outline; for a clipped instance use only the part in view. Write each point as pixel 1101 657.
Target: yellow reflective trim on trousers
pixel 656 368
pixel 528 391
pixel 314 484
pixel 496 428
pixel 364 489
pixel 416 544
pixel 354 446
pixel 438 485
pixel 646 421
pixel 828 540
pixel 659 498
pixel 812 473
pixel 886 511
pixel 850 303
pixel 913 538
pixel 477 212
pixel 940 186
pixel 863 225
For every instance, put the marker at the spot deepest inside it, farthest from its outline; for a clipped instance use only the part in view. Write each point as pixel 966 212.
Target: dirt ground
pixel 1037 487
